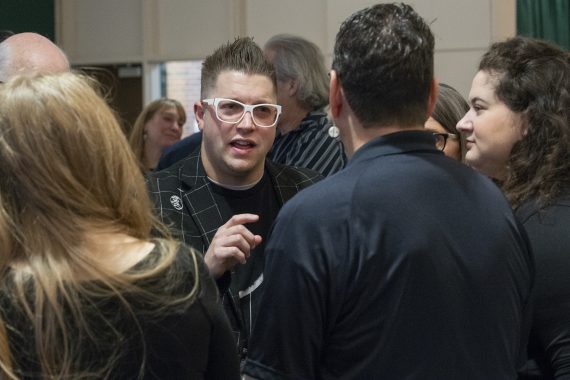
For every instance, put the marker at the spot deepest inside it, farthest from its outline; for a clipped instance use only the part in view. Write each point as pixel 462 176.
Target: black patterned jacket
pixel 184 201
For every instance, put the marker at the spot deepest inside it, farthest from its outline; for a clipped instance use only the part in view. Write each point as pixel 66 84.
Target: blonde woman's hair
pixel 136 136
pixel 67 171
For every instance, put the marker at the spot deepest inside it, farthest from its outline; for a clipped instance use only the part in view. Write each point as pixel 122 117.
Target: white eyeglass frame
pixel 247 108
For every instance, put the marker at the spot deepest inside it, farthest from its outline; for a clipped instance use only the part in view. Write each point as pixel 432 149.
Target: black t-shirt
pixel 260 200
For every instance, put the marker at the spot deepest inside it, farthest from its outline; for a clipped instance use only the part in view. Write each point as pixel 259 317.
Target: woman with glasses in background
pixel 518 133
pixel 449 109
pixel 85 293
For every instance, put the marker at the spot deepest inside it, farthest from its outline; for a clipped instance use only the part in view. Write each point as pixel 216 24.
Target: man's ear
pixel 336 96
pixel 292 87
pixel 199 110
pixel 432 98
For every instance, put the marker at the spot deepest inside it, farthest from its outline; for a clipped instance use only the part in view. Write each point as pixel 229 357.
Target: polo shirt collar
pixel 396 143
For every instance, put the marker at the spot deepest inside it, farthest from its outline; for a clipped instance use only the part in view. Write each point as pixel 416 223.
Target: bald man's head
pixel 29 53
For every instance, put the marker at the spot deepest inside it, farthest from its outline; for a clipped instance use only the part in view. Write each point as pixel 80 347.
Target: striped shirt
pixel 310 146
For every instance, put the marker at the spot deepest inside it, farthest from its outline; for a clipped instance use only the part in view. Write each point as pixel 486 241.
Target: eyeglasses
pixel 231 111
pixel 441 139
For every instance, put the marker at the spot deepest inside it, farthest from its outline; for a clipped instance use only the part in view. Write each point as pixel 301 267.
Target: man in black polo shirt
pixel 406 264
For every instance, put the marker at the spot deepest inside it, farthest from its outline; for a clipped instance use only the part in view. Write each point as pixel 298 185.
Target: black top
pixel 549 233
pixel 404 265
pixel 188 341
pixel 247 278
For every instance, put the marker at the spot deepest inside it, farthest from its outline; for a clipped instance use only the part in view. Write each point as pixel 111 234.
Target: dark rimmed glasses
pixel 231 111
pixel 441 139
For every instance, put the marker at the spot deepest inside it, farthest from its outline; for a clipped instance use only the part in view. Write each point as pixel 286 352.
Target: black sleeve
pixel 292 309
pixel 224 282
pixel 223 361
pixel 195 341
pixel 549 343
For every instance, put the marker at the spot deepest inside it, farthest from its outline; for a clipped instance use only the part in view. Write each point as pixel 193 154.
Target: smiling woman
pixel 158 126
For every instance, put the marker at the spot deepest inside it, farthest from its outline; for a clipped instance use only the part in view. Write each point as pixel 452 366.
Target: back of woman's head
pixel 66 165
pixel 532 78
pixel 67 174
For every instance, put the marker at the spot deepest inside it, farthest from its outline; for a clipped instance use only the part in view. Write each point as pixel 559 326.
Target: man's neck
pixel 358 135
pixel 236 187
pixel 294 116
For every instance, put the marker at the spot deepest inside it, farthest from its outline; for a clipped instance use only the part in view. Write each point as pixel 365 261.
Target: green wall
pixel 28 16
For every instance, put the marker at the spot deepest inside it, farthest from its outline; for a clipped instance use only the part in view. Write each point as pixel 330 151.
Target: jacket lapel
pixel 284 186
pixel 197 196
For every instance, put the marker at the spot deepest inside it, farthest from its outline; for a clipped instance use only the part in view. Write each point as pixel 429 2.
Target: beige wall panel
pixel 147 31
pixel 102 31
pixel 337 12
pixel 457 68
pixel 188 29
pixel 457 24
pixel 306 18
pixel 504 19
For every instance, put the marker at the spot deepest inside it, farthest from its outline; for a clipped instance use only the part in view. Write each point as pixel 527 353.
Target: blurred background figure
pixel 180 150
pixel 28 53
pixel 303 91
pixel 5 34
pixel 157 127
pixel 518 133
pixel 84 292
pixel 449 109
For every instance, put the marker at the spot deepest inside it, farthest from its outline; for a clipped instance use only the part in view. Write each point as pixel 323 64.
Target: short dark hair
pixel 242 55
pixel 383 56
pixel 532 78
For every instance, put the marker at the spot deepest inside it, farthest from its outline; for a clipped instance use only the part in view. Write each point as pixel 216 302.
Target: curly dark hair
pixel 533 80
